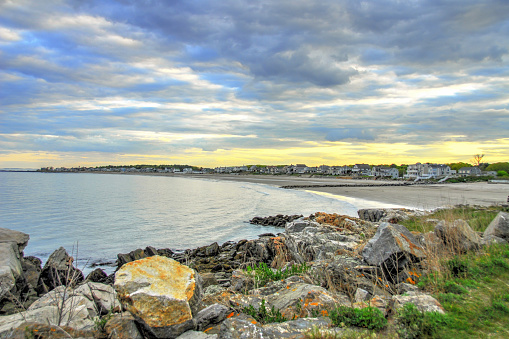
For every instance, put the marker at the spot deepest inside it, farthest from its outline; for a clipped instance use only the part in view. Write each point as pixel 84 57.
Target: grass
pixel 262 273
pixel 265 315
pixel 477 218
pixel 368 317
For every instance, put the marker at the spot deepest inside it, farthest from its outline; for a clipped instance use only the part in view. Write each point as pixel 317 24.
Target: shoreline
pixel 386 192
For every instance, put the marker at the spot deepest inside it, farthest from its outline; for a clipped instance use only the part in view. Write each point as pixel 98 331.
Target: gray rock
pixel 299 225
pixel 196 335
pixel 67 302
pixel 403 288
pixel 10 267
pixel 212 289
pixel 499 227
pixel 317 242
pixel 57 271
pixel 492 239
pixel 103 296
pixel 361 295
pixel 392 248
pixel 12 244
pixel 122 326
pixel 458 236
pixel 212 315
pixel 373 215
pixel 241 282
pixel 423 302
pixel 19 238
pixel 303 300
pixel 245 327
pixel 78 319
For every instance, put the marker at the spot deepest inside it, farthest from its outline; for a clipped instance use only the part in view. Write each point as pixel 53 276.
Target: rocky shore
pixel 314 265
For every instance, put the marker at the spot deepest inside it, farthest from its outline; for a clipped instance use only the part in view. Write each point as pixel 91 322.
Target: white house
pixel 385 172
pixel 469 171
pixel 361 169
pixel 427 171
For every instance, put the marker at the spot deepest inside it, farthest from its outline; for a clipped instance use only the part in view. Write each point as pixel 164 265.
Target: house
pixel 299 169
pixel 469 171
pixel 323 169
pixel 361 169
pixel 385 172
pixel 340 170
pixel 427 171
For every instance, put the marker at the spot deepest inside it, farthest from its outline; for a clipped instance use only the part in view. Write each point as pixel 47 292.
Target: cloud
pixel 349 133
pixel 92 76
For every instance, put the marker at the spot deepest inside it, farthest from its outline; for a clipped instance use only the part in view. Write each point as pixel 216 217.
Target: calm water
pixel 101 215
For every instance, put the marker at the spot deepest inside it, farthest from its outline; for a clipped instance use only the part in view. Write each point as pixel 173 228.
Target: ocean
pixel 97 216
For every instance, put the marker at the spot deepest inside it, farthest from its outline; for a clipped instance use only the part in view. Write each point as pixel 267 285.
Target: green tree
pixel 499 166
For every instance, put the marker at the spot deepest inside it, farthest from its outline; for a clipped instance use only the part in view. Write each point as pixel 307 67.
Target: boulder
pixel 492 239
pixel 196 335
pixel 160 293
pixel 423 302
pixel 31 270
pixel 458 236
pixel 18 238
pixel 499 227
pixel 103 296
pixel 393 247
pixel 98 275
pixel 373 215
pixel 57 271
pixel 122 326
pixel 346 274
pixel 309 241
pixel 77 318
pixel 243 326
pixel 42 331
pixel 212 315
pixel 67 301
pixel 10 268
pixel 12 244
pixel 304 300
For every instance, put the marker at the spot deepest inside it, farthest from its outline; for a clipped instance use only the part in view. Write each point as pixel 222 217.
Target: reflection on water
pixel 101 215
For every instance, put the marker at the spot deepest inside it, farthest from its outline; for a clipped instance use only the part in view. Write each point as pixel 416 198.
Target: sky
pixel 219 83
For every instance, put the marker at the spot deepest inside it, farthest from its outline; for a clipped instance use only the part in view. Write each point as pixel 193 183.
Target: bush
pixel 262 274
pixel 369 317
pixel 264 315
pixel 502 174
pixel 415 324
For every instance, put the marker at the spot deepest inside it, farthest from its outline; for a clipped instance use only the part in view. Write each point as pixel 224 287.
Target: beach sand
pixel 414 196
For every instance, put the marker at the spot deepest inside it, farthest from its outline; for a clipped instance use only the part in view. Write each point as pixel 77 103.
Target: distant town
pixel 418 171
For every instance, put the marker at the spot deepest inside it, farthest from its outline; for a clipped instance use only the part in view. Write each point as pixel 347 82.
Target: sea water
pixel 97 216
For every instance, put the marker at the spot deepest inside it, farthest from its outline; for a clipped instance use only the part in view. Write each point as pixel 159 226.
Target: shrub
pixel 415 324
pixel 262 273
pixel 368 317
pixel 264 315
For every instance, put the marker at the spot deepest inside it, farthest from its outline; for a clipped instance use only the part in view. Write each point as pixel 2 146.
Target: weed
pixel 264 315
pixel 452 287
pixel 415 324
pixel 100 322
pixel 262 273
pixel 368 317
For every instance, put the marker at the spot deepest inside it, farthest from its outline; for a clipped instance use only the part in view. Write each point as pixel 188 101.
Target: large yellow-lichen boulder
pixel 159 291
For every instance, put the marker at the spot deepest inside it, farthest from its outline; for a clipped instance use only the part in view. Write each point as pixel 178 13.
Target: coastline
pixel 423 197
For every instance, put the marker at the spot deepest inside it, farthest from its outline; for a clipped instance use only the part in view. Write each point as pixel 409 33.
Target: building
pixel 469 171
pixel 361 169
pixel 427 171
pixel 385 172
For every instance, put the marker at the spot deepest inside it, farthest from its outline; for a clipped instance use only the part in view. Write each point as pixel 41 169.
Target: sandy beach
pixel 413 196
